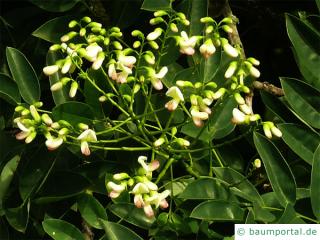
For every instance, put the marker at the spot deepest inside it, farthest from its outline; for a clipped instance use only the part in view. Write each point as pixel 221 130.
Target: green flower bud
pixel 25 112
pixel 173 27
pixel 64 123
pixel 68 36
pixel 115 29
pixel 227 29
pixel 117 45
pixel 34 113
pixel 55 47
pixel 154 45
pixel 136 88
pixel 253 61
pixel 46 119
pixel 198 85
pixel 207 20
pixel 103 31
pixel 120 176
pixel 186 22
pixel 157 20
pixel 181 15
pixel 82 32
pixel 86 19
pixel 72 24
pixel 160 13
pixel 57 86
pixel 174 131
pixel 219 93
pixel 257 163
pixel 159 142
pixel 73 89
pixel 116 34
pixel 227 20
pixel 63 131
pixel 209 29
pixel 31 137
pixel 137 33
pixel 94 25
pixel 136 44
pixel 106 41
pixel 239 98
pixel 211 85
pixel 102 99
pixel 83 126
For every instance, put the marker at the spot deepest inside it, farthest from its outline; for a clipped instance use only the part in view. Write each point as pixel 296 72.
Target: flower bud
pixel 68 36
pixel 227 29
pixel 194 99
pixel 254 117
pixel 238 116
pixel 219 93
pixel 95 25
pixel 46 119
pixel 209 29
pixel 207 20
pixel 207 48
pixel 181 15
pixel 149 58
pixel 67 65
pixel 181 83
pixel 160 13
pixel 246 109
pixel 227 20
pixel 174 131
pixel 98 62
pixel 240 100
pixel 120 176
pixel 231 69
pixel 117 45
pixel 183 142
pixel 186 22
pixel 73 89
pixel 86 19
pixel 55 125
pixel 276 131
pixel 55 47
pixel 106 41
pixel 231 51
pixel 32 135
pixel 19 108
pixel 154 45
pixel 82 32
pixel 137 33
pixel 211 85
pixel 57 86
pixel 159 142
pixel 102 99
pixel 198 85
pixel 257 163
pixel 49 70
pixel 136 44
pixel 253 61
pixel 72 24
pixel 136 88
pixel 173 27
pixel 34 113
pixel 155 34
pixel 267 130
pixel 157 20
pixel 25 112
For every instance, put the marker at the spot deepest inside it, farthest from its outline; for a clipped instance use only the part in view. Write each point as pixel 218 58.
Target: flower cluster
pixel 31 122
pixel 145 192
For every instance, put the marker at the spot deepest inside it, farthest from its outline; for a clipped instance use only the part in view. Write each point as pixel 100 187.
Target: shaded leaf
pixel 278 170
pixel 289 216
pixel 55 6
pixel 9 90
pixel 6 176
pixel 199 9
pixel 115 231
pixel 24 75
pixel 59 229
pixel 18 217
pixel 262 214
pixel 151 5
pixel 300 139
pixel 315 184
pixel 209 188
pixel 91 210
pixel 215 210
pixel 241 186
pixel 132 214
pixel 61 185
pixel 73 112
pixel 304 99
pixel 54 29
pixel 307 49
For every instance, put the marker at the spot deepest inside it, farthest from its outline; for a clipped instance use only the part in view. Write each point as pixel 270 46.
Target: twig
pixel 268 87
pixel 87 231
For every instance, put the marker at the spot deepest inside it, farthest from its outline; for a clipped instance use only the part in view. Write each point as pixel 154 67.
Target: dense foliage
pixel 147 120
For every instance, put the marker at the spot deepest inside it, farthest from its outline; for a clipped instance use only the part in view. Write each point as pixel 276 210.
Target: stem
pixel 164 170
pixel 268 87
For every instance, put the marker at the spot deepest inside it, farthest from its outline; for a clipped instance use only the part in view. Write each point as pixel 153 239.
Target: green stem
pixel 164 170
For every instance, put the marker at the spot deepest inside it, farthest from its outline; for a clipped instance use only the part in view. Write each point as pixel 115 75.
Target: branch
pixel 268 87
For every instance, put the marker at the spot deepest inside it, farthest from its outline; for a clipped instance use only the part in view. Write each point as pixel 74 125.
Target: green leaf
pixel 239 184
pixel 59 229
pixel 250 217
pixel 304 99
pixel 169 78
pixel 24 75
pixel 55 6
pixel 115 231
pixel 289 216
pixel 151 5
pixel 61 185
pixel 54 29
pixel 18 217
pixel 209 188
pixel 60 96
pixel 73 112
pixel 91 210
pixel 318 4
pixel 218 125
pixel 262 214
pixel 6 176
pixel 277 107
pixel 9 90
pixel 307 49
pixel 278 170
pixel 199 9
pixel 132 214
pixel 315 184
pixel 210 66
pixel 300 139
pixel 218 210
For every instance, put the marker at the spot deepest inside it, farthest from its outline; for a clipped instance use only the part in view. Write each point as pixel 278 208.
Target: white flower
pixel 140 188
pixel 85 137
pixel 207 48
pixel 177 96
pixel 98 62
pixel 157 198
pixel 127 61
pixel 112 73
pixel 238 116
pixel 156 77
pixel 92 52
pixel 187 44
pixel 27 133
pixel 155 34
pixel 116 189
pixel 197 114
pixel 148 211
pixel 49 70
pixel 231 51
pixel 53 143
pixel 138 201
pixel 231 69
pixel 148 167
pixel 159 142
pixel 267 130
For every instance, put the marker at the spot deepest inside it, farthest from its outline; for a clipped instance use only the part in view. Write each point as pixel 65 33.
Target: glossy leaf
pixel 241 186
pixel 262 214
pixel 300 139
pixel 307 49
pixel 116 231
pixel 278 170
pixel 9 90
pixel 132 214
pixel 318 4
pixel 215 210
pixel 151 5
pixel 304 99
pixel 54 29
pixel 210 66
pixel 219 124
pixel 24 75
pixel 209 188
pixel 61 185
pixel 18 217
pixel 59 229
pixel 290 216
pixel 169 78
pixel 55 6
pixel 91 210
pixel 60 96
pixel 250 217
pixel 315 183
pixel 6 176
pixel 199 9
pixel 73 112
